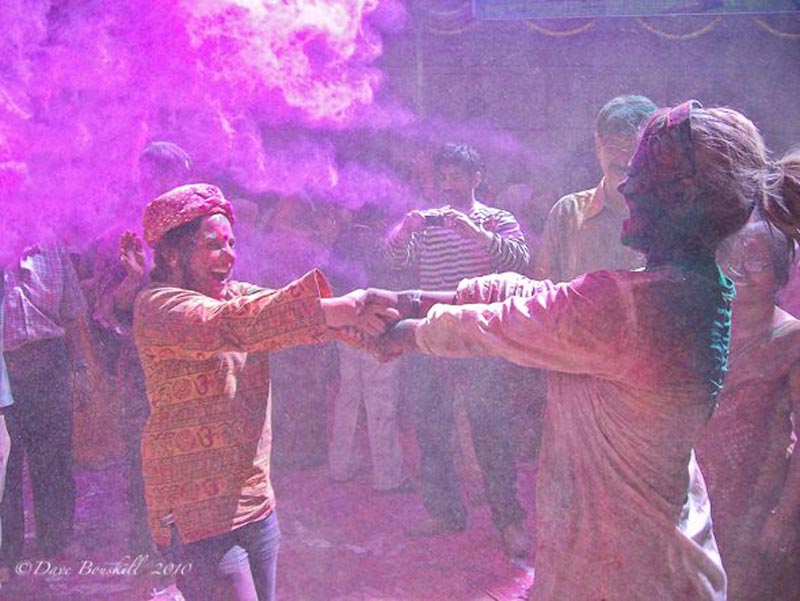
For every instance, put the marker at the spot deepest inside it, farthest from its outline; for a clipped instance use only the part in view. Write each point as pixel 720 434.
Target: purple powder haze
pixel 85 85
pixel 272 99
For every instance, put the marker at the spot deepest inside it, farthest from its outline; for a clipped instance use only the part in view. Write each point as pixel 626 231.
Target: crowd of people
pixel 637 327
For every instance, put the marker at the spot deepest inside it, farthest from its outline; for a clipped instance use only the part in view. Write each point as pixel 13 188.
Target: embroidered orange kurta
pixel 206 447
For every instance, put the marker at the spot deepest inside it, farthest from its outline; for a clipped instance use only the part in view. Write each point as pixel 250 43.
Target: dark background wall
pixel 545 88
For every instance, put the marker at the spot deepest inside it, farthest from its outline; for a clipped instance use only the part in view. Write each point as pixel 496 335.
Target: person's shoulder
pixel 155 287
pixel 605 280
pixel 614 286
pixel 639 278
pixel 786 325
pixel 667 280
pixel 568 211
pixel 496 212
pixel 237 288
pixel 574 203
pixel 785 337
pixel 601 301
pixel 155 294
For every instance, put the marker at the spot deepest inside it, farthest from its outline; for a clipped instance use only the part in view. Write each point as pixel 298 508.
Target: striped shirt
pixel 444 258
pixel 42 296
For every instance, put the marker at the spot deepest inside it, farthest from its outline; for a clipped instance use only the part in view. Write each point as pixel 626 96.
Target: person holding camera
pixel 463 238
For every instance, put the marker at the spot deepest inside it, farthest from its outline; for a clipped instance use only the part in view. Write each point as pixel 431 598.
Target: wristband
pixel 416 303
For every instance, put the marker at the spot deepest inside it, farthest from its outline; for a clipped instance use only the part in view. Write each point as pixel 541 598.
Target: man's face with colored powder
pixel 212 257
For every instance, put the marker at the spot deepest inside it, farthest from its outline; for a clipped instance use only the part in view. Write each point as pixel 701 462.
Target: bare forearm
pixel 125 293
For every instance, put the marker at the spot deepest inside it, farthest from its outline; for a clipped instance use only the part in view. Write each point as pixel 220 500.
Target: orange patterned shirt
pixel 206 447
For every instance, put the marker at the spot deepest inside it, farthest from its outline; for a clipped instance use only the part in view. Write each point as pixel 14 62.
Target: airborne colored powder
pixel 256 92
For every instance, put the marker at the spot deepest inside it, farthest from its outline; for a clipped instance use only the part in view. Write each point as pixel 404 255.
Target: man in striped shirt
pixel 461 239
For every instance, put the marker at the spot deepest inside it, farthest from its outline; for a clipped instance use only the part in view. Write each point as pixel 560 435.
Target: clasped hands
pixel 374 319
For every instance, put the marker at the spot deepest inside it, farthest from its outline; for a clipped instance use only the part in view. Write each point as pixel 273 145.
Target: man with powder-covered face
pixel 582 232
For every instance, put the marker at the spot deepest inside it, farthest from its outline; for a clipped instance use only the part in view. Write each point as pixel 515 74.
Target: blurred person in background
pixel 748 452
pixel 529 196
pixel 48 356
pixel 581 233
pixel 298 237
pixel 365 382
pixel 163 165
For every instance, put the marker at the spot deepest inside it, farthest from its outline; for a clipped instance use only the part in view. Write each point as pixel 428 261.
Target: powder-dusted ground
pixel 340 542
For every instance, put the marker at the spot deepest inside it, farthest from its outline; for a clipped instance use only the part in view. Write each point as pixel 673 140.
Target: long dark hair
pixel 177 240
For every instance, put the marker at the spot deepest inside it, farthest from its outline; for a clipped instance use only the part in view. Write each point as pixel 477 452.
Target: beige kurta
pixel 206 447
pixel 581 235
pixel 622 511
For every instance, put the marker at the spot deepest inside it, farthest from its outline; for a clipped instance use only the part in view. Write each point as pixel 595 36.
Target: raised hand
pixel 29 251
pixel 131 254
pixel 414 221
pixel 464 226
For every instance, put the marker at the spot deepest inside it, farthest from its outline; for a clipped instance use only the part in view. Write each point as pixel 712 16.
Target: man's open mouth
pixel 221 275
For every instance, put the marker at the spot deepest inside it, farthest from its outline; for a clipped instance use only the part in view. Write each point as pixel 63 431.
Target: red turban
pixel 182 205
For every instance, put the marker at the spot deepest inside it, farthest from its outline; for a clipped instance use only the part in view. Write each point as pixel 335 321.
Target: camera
pixel 434 220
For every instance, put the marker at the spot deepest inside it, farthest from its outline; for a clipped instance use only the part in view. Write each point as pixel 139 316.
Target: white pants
pixel 5 448
pixel 377 385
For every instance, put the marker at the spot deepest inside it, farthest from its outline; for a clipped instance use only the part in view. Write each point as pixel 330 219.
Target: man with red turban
pixel 203 340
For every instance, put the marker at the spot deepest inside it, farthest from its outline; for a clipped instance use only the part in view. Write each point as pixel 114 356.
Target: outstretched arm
pixel 370 314
pixel 410 304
